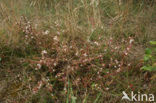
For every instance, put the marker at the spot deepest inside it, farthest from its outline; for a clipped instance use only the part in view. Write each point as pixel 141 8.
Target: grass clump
pixel 74 51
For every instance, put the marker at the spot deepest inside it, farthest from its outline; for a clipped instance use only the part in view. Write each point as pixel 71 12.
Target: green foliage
pixel 149 58
pixel 149 68
pixel 148 55
pixel 97 98
pixel 153 42
pixel 70 94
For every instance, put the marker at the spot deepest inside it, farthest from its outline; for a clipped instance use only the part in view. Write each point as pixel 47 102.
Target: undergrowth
pixel 74 51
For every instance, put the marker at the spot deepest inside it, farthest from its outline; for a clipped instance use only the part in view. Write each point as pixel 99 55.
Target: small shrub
pixel 150 58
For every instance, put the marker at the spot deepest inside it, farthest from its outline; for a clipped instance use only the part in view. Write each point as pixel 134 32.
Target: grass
pixel 74 51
